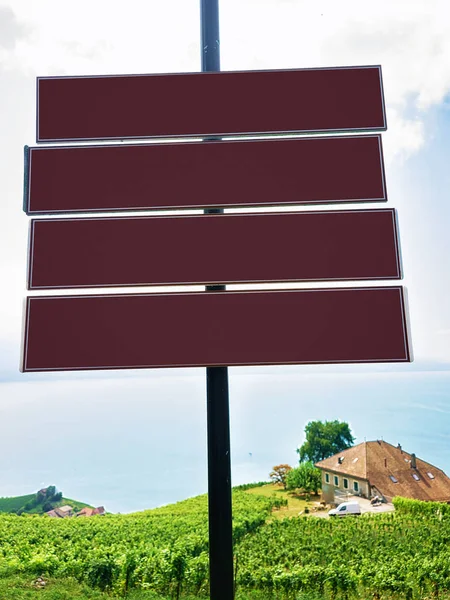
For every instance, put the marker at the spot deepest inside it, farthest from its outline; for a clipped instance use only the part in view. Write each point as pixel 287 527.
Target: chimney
pixel 413 461
pixel 400 448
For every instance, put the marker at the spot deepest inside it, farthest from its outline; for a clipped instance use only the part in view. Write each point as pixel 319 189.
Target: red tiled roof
pixel 86 512
pixel 353 462
pixel 378 461
pixel 57 512
pixel 90 512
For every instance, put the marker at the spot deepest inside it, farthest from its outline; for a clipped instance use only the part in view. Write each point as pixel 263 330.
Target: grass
pixel 73 503
pixel 22 588
pixel 296 502
pixel 25 588
pixel 9 505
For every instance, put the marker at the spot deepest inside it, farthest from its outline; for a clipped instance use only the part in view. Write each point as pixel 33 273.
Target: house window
pixel 430 475
pixel 355 486
pixel 345 484
pixel 416 477
pixel 336 481
pixel 327 478
pixel 393 479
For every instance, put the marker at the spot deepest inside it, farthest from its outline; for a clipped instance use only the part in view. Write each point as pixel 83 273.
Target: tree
pixel 47 506
pixel 306 477
pixel 323 439
pixel 279 474
pixel 51 491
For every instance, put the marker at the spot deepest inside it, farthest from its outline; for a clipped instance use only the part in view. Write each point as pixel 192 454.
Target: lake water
pixel 131 443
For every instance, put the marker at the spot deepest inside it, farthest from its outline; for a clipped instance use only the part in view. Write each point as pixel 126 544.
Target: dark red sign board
pixel 199 104
pixel 240 173
pixel 213 249
pixel 215 328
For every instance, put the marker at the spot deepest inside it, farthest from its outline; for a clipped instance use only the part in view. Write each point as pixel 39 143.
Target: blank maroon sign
pixel 198 104
pixel 240 173
pixel 208 249
pixel 215 328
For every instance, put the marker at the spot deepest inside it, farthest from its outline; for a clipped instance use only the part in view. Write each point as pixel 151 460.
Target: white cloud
pixel 403 137
pixel 11 30
pixel 106 37
pixel 411 40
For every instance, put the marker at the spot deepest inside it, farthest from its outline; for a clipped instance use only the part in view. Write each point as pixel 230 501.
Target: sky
pixel 132 440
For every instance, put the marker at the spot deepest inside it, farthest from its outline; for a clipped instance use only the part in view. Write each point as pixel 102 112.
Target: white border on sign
pixel 34 222
pixel 361 67
pixel 399 289
pixel 203 206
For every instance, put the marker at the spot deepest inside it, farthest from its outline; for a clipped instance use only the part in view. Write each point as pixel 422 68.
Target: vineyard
pixel 165 550
pixel 405 554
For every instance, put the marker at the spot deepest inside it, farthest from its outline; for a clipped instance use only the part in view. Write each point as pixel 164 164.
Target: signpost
pixel 215 328
pixel 242 173
pixel 266 248
pixel 337 325
pixel 232 103
pixel 220 519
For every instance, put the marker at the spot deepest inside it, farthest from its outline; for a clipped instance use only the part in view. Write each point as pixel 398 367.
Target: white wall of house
pixel 344 483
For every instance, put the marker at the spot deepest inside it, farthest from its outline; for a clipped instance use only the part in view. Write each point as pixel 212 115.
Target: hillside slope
pixel 39 502
pixel 14 503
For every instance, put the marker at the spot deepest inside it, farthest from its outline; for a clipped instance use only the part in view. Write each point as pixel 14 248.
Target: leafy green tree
pixel 279 474
pixel 306 477
pixel 323 439
pixel 51 491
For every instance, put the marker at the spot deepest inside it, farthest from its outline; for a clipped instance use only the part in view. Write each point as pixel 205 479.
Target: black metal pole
pixel 219 486
pixel 218 414
pixel 210 41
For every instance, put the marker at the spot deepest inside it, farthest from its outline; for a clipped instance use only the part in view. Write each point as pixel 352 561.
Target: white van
pixel 346 508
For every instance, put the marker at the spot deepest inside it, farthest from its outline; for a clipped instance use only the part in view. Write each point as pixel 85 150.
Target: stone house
pixel 380 469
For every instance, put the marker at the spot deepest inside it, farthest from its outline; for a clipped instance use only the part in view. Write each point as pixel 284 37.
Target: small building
pixel 85 512
pixel 90 512
pixel 60 512
pixel 381 469
pixel 66 510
